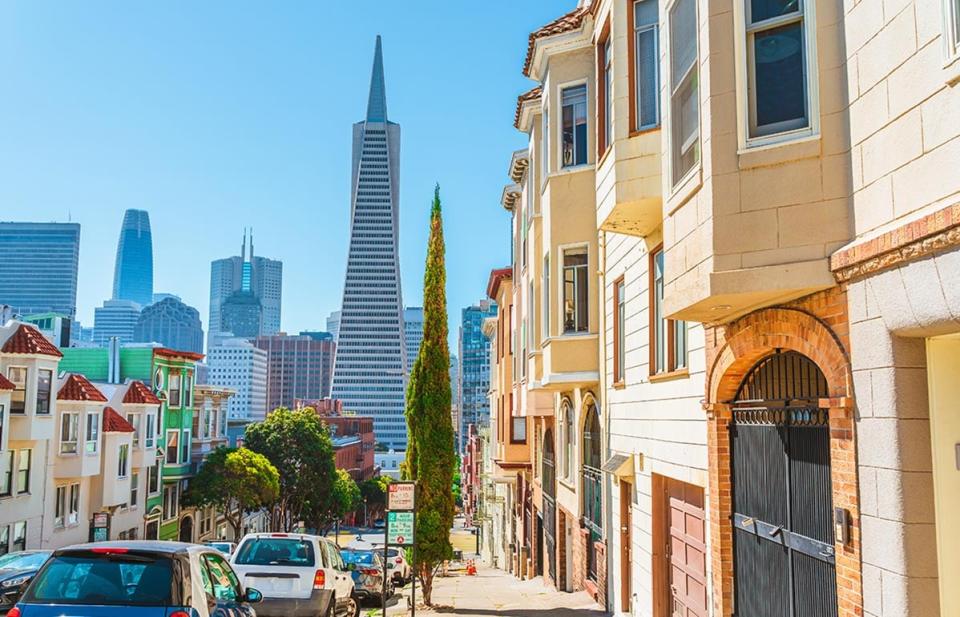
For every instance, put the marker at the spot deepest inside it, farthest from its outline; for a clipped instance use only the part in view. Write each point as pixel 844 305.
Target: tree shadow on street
pixel 526 612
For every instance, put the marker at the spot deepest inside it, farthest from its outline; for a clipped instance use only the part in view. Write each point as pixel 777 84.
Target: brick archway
pixel 817 328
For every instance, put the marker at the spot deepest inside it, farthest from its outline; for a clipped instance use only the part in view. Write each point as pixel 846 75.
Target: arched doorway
pixel 186 529
pixel 549 479
pixel 783 541
pixel 591 458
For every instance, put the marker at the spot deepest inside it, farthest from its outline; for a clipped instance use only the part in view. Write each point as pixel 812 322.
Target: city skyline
pixel 220 149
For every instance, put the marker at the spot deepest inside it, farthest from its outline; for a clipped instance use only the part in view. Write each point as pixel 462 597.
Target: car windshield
pixel 275 552
pixel 223 547
pixel 134 579
pixel 23 561
pixel 361 558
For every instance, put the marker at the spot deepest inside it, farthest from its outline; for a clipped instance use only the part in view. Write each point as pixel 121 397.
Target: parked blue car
pixel 136 579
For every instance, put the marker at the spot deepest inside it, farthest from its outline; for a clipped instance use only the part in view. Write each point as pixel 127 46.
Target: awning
pixel 620 465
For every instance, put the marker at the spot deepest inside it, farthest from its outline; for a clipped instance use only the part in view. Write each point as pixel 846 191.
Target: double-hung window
pixel 951 29
pixel 123 461
pixel 605 63
pixel 6 478
pixel 188 389
pixel 518 429
pixel 545 302
pixel 149 435
pixel 44 391
pixel 134 420
pixel 93 433
pixel 778 83
pixel 684 89
pixel 619 330
pixel 23 471
pixel 153 479
pixel 185 447
pixel 545 139
pixel 69 432
pixel 134 488
pixel 668 351
pixel 574 117
pixel 173 443
pixel 174 396
pixel 19 536
pixel 73 506
pixel 575 290
pixel 60 506
pixel 18 400
pixel 646 64
pixel 171 500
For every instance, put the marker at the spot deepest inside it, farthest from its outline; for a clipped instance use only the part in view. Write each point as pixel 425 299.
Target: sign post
pixel 400 531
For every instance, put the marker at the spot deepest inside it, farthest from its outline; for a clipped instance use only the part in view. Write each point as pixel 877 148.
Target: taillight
pixel 319 579
pixel 179 614
pixel 14 612
pixel 399 560
pixel 109 550
pixel 370 571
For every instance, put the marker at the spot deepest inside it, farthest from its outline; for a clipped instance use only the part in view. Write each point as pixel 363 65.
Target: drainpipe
pixel 602 392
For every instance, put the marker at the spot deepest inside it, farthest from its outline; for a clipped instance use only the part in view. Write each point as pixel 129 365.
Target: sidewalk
pixel 495 593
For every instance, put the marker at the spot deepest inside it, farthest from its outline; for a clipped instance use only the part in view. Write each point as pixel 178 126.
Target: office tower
pixel 474 366
pixel 116 318
pixel 247 272
pixel 133 270
pixel 370 367
pixel 171 323
pixel 333 324
pixel 412 333
pixel 241 315
pixel 241 365
pixel 38 267
pixel 298 367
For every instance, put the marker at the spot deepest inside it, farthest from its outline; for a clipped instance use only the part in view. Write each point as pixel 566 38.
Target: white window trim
pixel 166 445
pixel 99 430
pixel 634 32
pixel 544 140
pixel 679 189
pixel 175 486
pixel 811 67
pixel 76 441
pixel 561 249
pixel 73 516
pixel 558 127
pixel 126 462
pixel 950 17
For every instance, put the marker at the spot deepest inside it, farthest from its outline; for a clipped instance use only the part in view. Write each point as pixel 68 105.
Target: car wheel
pixel 352 607
pixel 331 610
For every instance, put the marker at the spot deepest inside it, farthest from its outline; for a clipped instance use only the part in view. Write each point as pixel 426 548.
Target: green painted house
pixel 170 374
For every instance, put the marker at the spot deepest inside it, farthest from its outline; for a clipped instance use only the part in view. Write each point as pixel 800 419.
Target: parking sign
pixel 400 528
pixel 401 495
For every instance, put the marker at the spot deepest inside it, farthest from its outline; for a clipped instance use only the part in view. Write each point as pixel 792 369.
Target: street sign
pixel 401 495
pixel 400 528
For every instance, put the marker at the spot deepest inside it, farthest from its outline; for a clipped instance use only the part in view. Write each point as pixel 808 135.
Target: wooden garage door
pixel 686 550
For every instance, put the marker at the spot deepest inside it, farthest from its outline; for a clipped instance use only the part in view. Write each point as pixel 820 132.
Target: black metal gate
pixel 592 487
pixel 782 500
pixel 549 478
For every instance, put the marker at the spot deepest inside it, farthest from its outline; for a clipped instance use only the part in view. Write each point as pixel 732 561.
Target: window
pixel 4 539
pixel 23 471
pixel 951 28
pixel 44 391
pixel 575 299
pixel 2 416
pixel 171 500
pixel 19 537
pixel 777 82
pixel 605 72
pixel 188 389
pixel 569 437
pixel 134 488
pixel 518 429
pixel 574 138
pixel 93 432
pixel 148 433
pixel 158 380
pixel 18 375
pixel 73 512
pixel 669 337
pixel 545 303
pixel 153 479
pixel 69 429
pixel 173 396
pixel 619 330
pixel 60 506
pixel 123 461
pixel 6 479
pixel 173 443
pixel 66 511
pixel 645 76
pixel 684 89
pixel 545 137
pixel 185 447
pixel 134 420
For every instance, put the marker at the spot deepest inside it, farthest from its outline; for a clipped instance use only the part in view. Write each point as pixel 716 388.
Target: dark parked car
pixel 16 570
pixel 366 567
pixel 136 579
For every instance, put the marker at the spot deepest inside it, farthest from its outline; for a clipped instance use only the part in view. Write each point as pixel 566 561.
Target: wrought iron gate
pixel 592 487
pixel 550 505
pixel 782 500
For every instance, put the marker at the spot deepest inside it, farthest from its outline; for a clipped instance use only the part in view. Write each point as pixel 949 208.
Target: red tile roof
pixel 564 23
pixel 173 353
pixel 28 340
pixel 530 95
pixel 6 384
pixel 114 422
pixel 139 394
pixel 79 388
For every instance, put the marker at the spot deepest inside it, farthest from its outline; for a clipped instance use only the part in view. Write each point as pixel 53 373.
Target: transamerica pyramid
pixel 368 374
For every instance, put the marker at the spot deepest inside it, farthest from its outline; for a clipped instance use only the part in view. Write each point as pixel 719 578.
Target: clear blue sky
pixel 219 115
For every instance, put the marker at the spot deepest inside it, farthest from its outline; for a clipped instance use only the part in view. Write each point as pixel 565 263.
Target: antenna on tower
pixel 243 247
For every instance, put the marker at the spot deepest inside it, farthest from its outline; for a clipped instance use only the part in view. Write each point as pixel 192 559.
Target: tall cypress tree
pixel 430 454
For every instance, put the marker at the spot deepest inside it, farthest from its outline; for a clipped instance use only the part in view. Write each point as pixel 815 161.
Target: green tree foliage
pixel 457 491
pixel 234 481
pixel 430 455
pixel 373 493
pixel 346 497
pixel 299 446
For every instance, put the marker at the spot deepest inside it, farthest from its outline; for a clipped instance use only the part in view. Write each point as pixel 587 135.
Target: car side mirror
pixel 253 596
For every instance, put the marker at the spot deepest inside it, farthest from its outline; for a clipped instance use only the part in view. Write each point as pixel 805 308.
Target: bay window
pixel 668 348
pixel 44 390
pixel 575 290
pixel 92 435
pixel 574 118
pixel 18 400
pixel 148 433
pixel 69 432
pixel 545 303
pixel 174 391
pixel 684 89
pixel 646 64
pixel 134 420
pixel 173 446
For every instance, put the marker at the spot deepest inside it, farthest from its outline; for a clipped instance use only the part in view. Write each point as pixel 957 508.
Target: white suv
pixel 299 575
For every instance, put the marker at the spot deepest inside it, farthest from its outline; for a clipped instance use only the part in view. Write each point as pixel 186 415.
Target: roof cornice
pixel 510 196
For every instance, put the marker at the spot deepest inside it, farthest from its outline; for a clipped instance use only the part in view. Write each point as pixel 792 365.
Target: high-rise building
pixel 412 333
pixel 333 324
pixel 115 319
pixel 259 275
pixel 474 366
pixel 239 364
pixel 241 315
pixel 298 367
pixel 171 323
pixel 370 367
pixel 133 270
pixel 38 267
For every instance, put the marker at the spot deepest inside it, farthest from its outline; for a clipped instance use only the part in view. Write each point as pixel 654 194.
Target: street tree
pixel 234 481
pixel 299 446
pixel 430 455
pixel 373 493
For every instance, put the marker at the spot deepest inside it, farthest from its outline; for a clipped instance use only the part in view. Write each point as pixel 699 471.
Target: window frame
pixel 576 331
pixel 671 329
pixel 604 54
pixel 123 461
pixel 23 486
pixel 18 388
pixel 6 488
pixel 74 418
pixel 619 330
pixel 149 434
pixel 166 446
pixel 154 481
pixel 73 504
pixel 577 83
pixel 514 439
pixel 545 301
pixel 746 70
pixel 673 92
pixel 569 439
pixel 91 433
pixel 174 385
pixel 634 77
pixel 60 505
pixel 951 31
pixel 185 446
pixel 134 420
pixel 134 489
pixel 175 502
pixel 44 396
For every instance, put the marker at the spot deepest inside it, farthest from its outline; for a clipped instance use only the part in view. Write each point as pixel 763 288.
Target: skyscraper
pixel 115 319
pixel 412 333
pixel 333 324
pixel 133 270
pixel 259 275
pixel 370 366
pixel 239 364
pixel 171 323
pixel 38 267
pixel 298 367
pixel 474 366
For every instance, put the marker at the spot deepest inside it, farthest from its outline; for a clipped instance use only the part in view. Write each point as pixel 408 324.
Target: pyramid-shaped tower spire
pixel 377 103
